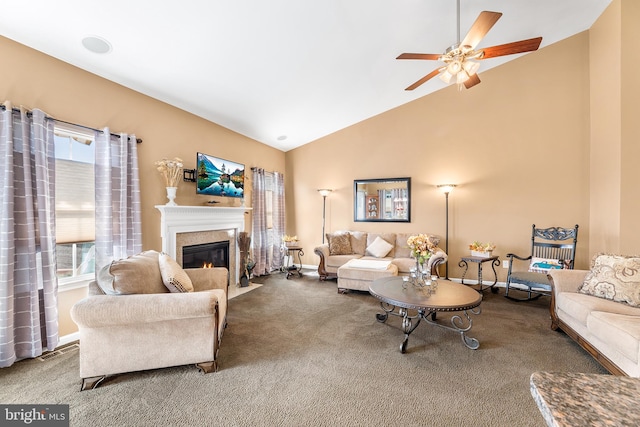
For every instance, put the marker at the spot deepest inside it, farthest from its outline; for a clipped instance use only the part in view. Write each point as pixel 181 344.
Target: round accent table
pixel 415 303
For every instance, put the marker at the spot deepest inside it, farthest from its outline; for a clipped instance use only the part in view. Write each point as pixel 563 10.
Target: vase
pixel 171 195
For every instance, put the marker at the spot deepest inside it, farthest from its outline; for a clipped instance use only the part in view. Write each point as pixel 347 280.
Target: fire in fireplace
pixel 214 254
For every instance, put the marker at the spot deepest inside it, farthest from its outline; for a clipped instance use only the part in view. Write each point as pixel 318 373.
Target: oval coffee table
pixel 448 297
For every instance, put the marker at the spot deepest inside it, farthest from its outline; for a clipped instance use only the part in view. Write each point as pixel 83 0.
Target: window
pixel 75 203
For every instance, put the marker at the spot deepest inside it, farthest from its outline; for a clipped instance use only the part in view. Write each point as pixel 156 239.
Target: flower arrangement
pixel 421 247
pixel 482 247
pixel 171 170
pixel 287 238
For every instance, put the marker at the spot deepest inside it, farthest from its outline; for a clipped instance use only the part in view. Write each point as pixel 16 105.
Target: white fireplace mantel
pixel 189 219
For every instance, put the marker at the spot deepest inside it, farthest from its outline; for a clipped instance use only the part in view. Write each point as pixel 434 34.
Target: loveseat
pixel 145 312
pixel 362 245
pixel 600 310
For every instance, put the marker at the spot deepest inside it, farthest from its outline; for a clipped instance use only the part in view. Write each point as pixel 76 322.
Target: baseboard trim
pixel 68 339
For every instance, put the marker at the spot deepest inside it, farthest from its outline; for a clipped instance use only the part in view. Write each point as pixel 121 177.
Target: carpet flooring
pixel 297 353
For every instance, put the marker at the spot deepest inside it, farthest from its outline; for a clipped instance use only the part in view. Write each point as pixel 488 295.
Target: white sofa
pixel 607 329
pixel 399 255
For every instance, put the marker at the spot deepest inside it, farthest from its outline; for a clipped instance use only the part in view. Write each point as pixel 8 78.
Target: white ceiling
pixel 266 69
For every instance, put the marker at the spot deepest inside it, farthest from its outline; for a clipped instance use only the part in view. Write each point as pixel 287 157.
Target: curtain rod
pixel 17 110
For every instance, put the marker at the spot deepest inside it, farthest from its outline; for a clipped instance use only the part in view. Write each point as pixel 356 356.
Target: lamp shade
pixel 324 192
pixel 446 188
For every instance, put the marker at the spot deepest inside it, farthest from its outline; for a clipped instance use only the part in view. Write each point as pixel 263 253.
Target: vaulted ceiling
pixel 283 72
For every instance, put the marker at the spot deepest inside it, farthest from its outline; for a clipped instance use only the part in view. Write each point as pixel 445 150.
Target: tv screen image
pixel 219 177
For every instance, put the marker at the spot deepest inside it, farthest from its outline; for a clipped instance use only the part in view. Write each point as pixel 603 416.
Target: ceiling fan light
pixel 454 67
pixel 471 67
pixel 445 76
pixel 462 77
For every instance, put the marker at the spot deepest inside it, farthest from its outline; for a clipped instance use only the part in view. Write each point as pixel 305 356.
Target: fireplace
pixel 195 225
pixel 215 254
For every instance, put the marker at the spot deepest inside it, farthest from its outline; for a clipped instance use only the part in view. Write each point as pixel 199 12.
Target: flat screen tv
pixel 219 177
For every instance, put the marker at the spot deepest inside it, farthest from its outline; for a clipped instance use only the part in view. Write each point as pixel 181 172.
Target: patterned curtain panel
pixel 28 283
pixel 118 219
pixel 278 219
pixel 260 238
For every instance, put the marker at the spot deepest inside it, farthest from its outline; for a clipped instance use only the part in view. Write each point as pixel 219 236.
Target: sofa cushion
pixel 387 237
pixel 614 277
pixel 402 248
pixel 138 274
pixel 173 276
pixel 358 242
pixel 335 261
pixel 579 306
pixel 379 248
pixel 619 331
pixel 339 243
pixel 404 264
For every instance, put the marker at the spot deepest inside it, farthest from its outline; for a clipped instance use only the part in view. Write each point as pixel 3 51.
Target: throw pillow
pixel 339 243
pixel 358 242
pixel 379 248
pixel 614 277
pixel 173 276
pixel 542 265
pixel 138 274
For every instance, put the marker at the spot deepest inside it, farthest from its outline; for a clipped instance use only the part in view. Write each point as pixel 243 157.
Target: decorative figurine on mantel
pixel 171 171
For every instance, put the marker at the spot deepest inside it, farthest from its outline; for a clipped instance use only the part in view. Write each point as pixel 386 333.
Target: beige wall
pixel 34 80
pixel 605 63
pixel 630 143
pixel 517 146
pixel 615 102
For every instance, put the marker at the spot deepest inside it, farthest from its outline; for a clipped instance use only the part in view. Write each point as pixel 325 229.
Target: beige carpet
pixel 297 353
pixel 235 291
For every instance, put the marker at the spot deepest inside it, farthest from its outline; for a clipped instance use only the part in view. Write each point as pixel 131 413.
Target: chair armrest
pixel 512 256
pixel 111 310
pixel 322 251
pixel 437 257
pixel 566 280
pixel 205 279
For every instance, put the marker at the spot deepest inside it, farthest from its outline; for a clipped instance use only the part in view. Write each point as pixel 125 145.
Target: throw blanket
pixel 369 264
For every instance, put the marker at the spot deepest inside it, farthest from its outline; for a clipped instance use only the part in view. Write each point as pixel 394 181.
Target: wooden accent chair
pixel 551 248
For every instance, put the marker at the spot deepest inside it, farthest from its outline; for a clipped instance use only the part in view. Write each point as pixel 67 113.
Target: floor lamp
pixel 324 192
pixel 446 189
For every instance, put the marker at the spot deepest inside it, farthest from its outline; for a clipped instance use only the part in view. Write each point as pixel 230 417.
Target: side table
pixel 291 268
pixel 464 262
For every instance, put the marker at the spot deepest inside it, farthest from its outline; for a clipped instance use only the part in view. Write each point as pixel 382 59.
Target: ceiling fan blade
pixel 472 81
pixel 424 79
pixel 512 48
pixel 428 56
pixel 480 28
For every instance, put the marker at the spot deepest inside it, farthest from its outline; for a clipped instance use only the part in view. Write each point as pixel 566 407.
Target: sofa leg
pixel 91 382
pixel 207 367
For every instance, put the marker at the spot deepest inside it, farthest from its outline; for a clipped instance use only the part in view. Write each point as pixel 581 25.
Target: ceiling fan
pixel 460 59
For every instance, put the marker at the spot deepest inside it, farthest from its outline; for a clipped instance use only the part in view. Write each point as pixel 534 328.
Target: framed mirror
pixel 382 200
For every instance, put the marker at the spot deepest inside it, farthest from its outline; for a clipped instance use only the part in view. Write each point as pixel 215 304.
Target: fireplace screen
pixel 214 254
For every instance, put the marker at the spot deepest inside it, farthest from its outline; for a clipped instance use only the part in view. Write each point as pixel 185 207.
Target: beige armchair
pixel 131 321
